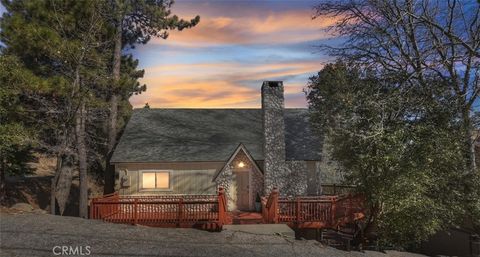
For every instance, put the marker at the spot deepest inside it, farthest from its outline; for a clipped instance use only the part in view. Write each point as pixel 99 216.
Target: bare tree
pixel 419 38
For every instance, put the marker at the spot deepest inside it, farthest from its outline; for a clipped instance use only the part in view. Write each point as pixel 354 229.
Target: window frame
pixel 141 188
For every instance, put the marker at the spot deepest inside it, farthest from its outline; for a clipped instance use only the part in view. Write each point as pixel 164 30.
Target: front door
pixel 243 190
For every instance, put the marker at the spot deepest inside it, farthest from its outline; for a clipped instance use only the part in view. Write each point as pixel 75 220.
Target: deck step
pixel 244 218
pixel 338 239
pixel 247 221
pixel 262 229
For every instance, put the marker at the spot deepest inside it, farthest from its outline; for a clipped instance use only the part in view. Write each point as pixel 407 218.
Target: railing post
pixel 350 208
pixel 274 206
pixel 297 209
pixel 334 209
pixel 180 212
pixel 92 204
pixel 222 206
pixel 135 211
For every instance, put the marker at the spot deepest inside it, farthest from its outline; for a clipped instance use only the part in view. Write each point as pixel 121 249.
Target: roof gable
pixel 240 148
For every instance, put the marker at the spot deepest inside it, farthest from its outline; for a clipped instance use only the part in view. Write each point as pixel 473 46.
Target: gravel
pixel 30 234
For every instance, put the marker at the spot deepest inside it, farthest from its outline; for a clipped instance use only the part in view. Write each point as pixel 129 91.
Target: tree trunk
pixel 54 185
pixel 58 171
pixel 3 183
pixel 117 58
pixel 469 142
pixel 82 161
pixel 114 98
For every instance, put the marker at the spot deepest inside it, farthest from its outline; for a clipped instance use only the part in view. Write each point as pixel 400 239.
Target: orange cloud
pixel 289 21
pixel 273 28
pixel 217 85
pixel 201 94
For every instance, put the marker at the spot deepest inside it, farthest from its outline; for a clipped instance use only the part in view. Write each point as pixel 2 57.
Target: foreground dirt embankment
pixel 30 234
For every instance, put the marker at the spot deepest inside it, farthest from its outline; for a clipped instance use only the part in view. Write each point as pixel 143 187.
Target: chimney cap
pixel 277 83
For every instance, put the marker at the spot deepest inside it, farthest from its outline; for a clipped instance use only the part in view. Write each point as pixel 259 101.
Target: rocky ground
pixel 35 234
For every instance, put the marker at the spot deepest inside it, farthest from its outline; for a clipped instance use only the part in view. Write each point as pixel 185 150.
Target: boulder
pixel 40 211
pixel 22 207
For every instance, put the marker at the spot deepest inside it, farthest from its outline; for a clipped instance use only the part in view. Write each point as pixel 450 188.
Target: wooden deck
pixel 203 211
pixel 313 211
pixel 210 211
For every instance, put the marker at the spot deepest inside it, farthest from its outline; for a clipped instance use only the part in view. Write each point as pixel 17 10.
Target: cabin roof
pixel 189 135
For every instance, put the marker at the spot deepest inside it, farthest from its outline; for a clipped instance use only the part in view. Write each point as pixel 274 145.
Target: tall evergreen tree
pixel 63 42
pixel 67 44
pixel 134 22
pixel 16 138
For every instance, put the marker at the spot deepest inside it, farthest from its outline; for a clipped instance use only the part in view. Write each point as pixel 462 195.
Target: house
pixel 248 152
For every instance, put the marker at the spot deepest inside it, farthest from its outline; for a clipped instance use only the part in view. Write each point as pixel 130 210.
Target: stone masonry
pixel 273 105
pixel 290 177
pixel 226 179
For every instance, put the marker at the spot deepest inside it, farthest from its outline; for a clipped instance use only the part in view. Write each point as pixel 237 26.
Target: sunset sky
pixel 224 59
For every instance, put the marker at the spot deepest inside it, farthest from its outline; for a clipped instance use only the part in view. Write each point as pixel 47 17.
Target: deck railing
pixel 313 211
pixel 210 211
pixel 162 210
pixel 270 207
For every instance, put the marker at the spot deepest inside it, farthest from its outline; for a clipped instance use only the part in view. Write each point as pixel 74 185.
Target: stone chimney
pixel 273 105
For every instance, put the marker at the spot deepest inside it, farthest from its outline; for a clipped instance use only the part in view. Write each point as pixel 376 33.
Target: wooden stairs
pixel 246 218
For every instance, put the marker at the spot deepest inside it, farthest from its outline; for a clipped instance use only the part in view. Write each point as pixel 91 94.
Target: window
pixel 156 180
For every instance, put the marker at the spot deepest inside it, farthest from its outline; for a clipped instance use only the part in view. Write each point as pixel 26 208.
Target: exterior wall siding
pixel 301 178
pixel 185 178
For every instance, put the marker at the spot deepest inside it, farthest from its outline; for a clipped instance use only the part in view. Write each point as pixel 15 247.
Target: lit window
pixel 156 180
pixel 163 180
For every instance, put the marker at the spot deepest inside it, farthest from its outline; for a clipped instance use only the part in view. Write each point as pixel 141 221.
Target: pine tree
pixel 134 22
pixel 62 42
pixel 71 47
pixel 16 139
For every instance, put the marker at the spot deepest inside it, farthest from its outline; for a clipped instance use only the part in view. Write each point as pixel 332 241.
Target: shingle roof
pixel 173 135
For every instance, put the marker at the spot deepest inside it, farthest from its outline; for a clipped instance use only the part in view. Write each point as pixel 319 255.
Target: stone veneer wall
pixel 226 179
pixel 274 135
pixel 294 179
